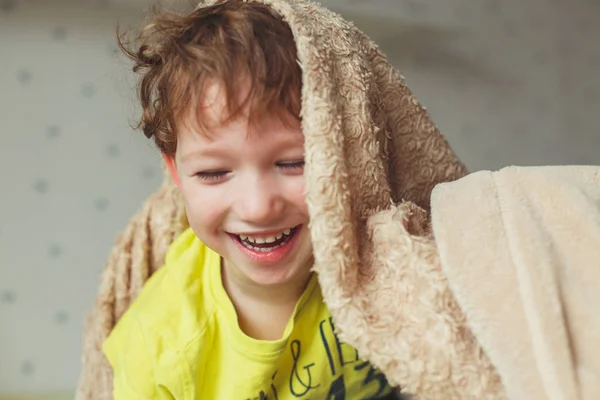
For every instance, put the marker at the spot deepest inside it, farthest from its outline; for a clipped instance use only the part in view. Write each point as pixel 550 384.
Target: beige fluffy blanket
pixel 521 250
pixel 373 156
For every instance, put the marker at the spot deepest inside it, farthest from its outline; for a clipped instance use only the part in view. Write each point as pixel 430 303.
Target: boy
pixel 236 312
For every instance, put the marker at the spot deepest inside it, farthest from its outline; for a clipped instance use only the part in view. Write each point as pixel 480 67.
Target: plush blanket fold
pixel 521 251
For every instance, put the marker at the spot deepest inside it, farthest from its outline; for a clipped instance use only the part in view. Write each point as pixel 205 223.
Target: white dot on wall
pixel 467 131
pixel 519 128
pixel 417 8
pixel 510 28
pixel 8 5
pixel 591 94
pixel 40 186
pixel 112 150
pixel 594 60
pixel 494 102
pixel 53 131
pixel 24 76
pixel 61 317
pixel 55 250
pixel 102 204
pixel 494 7
pixel 8 297
pixel 59 33
pixel 113 50
pixel 148 172
pixel 459 84
pixel 462 11
pixel 540 57
pixel 88 90
pixel 27 367
pixel 542 105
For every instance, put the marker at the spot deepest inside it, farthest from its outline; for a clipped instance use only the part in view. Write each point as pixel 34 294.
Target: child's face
pixel 243 187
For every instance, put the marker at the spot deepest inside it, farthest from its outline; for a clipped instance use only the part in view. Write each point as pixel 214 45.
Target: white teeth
pixel 270 239
pixel 248 241
pixel 262 249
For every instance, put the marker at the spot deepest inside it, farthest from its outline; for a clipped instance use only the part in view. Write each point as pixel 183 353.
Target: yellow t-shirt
pixel 180 340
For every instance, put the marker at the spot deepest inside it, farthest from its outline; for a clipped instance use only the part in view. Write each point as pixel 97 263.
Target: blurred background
pixel 508 82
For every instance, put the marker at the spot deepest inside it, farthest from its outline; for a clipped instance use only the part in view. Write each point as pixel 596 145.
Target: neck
pixel 263 311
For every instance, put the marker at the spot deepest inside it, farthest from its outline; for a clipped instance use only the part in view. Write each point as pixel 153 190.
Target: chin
pixel 277 277
pixel 270 275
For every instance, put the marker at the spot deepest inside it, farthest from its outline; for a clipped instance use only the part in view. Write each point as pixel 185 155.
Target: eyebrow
pixel 221 151
pixel 208 153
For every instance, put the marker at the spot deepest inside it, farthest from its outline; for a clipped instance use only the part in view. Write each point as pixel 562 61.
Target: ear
pixel 172 166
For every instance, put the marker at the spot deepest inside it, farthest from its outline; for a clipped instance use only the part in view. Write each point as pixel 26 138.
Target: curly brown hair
pixel 229 41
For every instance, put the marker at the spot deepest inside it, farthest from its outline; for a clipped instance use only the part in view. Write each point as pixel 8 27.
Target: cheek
pixel 204 206
pixel 296 194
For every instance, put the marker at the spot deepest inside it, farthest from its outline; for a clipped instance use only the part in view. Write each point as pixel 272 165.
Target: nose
pixel 260 201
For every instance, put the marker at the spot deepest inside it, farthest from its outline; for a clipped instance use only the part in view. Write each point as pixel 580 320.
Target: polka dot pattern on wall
pixel 68 116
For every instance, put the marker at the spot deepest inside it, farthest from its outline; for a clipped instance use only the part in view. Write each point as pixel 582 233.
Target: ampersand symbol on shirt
pixel 296 349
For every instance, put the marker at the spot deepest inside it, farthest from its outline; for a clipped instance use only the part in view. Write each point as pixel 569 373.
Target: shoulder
pixel 169 309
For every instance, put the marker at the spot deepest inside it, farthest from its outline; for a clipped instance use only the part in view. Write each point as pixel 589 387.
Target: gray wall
pixel 508 82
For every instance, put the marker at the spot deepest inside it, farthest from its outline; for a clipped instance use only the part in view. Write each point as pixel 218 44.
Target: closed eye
pixel 291 165
pixel 211 175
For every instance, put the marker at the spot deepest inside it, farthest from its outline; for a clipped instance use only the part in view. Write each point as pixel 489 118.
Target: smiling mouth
pixel 265 244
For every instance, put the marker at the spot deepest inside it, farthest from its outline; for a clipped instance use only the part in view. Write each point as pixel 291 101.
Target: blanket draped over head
pixel 373 157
